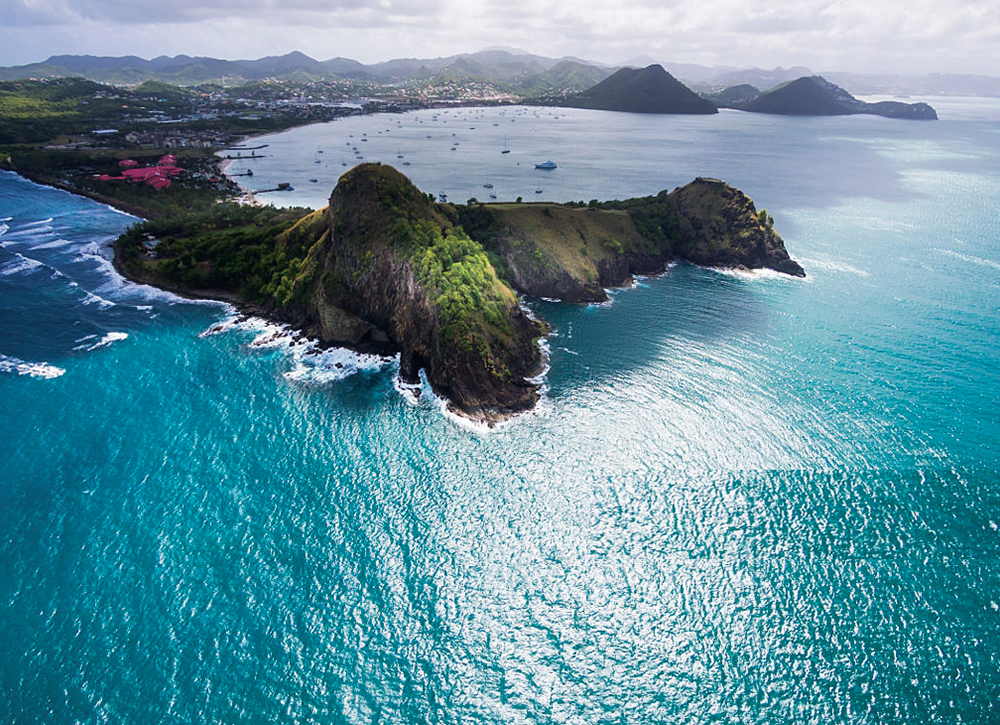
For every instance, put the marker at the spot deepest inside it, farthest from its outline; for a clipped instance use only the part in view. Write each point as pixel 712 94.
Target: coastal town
pixel 117 144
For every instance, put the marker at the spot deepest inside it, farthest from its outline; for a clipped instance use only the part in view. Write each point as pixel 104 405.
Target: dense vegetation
pixel 38 111
pixel 464 285
pixel 230 248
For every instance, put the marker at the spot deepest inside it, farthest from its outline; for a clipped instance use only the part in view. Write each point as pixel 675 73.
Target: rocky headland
pixel 816 96
pixel 385 268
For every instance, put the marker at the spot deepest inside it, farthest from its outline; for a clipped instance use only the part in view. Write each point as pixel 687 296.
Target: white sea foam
pixel 123 213
pixel 121 290
pixel 92 299
pixel 426 397
pixel 312 365
pixel 761 273
pixel 18 264
pixel 35 369
pixel 87 343
pixel 310 362
pixel 88 252
pixel 411 392
pixel 3 227
pixel 539 379
pixel 53 244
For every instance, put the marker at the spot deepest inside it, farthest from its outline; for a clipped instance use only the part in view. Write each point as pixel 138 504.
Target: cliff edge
pixel 384 268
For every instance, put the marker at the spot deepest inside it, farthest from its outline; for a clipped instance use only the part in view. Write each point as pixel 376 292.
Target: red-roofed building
pixel 156 176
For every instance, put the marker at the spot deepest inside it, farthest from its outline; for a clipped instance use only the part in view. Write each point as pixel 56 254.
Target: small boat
pixel 406 163
pixel 313 180
pixel 538 191
pixel 493 196
pixel 550 164
pixel 487 186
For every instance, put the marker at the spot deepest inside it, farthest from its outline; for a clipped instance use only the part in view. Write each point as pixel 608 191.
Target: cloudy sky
pixel 825 35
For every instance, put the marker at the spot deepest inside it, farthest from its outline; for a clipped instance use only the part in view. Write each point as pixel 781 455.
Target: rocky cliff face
pixel 574 253
pixel 383 268
pixel 718 226
pixel 394 263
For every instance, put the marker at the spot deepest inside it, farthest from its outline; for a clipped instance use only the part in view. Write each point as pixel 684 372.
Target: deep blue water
pixel 744 498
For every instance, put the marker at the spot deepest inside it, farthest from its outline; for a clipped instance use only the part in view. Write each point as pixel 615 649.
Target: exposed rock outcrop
pixel 383 268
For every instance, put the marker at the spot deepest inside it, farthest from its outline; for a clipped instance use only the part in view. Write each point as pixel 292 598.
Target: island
pixel 816 96
pixel 646 90
pixel 384 268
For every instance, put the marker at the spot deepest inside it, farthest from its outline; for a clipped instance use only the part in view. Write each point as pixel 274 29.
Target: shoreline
pixel 116 204
pixel 247 197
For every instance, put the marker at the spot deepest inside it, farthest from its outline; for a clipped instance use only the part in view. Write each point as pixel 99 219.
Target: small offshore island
pixel 384 268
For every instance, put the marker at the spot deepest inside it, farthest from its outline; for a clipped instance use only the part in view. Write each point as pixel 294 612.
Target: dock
pixel 283 186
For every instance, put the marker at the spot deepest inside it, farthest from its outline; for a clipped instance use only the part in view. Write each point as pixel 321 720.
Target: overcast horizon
pixel 848 36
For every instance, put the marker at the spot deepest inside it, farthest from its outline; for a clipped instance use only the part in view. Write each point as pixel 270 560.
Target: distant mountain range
pixel 515 71
pixel 523 73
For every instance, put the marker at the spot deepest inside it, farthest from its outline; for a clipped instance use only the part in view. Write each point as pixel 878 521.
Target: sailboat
pixel 505 149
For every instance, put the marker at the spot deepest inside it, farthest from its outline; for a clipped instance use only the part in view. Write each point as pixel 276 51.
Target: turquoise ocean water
pixel 744 498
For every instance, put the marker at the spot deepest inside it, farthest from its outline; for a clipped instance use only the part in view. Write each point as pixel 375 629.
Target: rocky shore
pixel 384 268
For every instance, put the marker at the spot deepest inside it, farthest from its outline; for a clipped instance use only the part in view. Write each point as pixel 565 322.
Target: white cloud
pixel 920 35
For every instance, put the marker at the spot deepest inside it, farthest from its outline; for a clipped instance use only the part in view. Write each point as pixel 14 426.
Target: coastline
pixel 247 196
pixel 116 204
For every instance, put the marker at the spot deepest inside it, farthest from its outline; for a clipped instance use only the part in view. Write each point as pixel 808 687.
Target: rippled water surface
pixel 744 498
